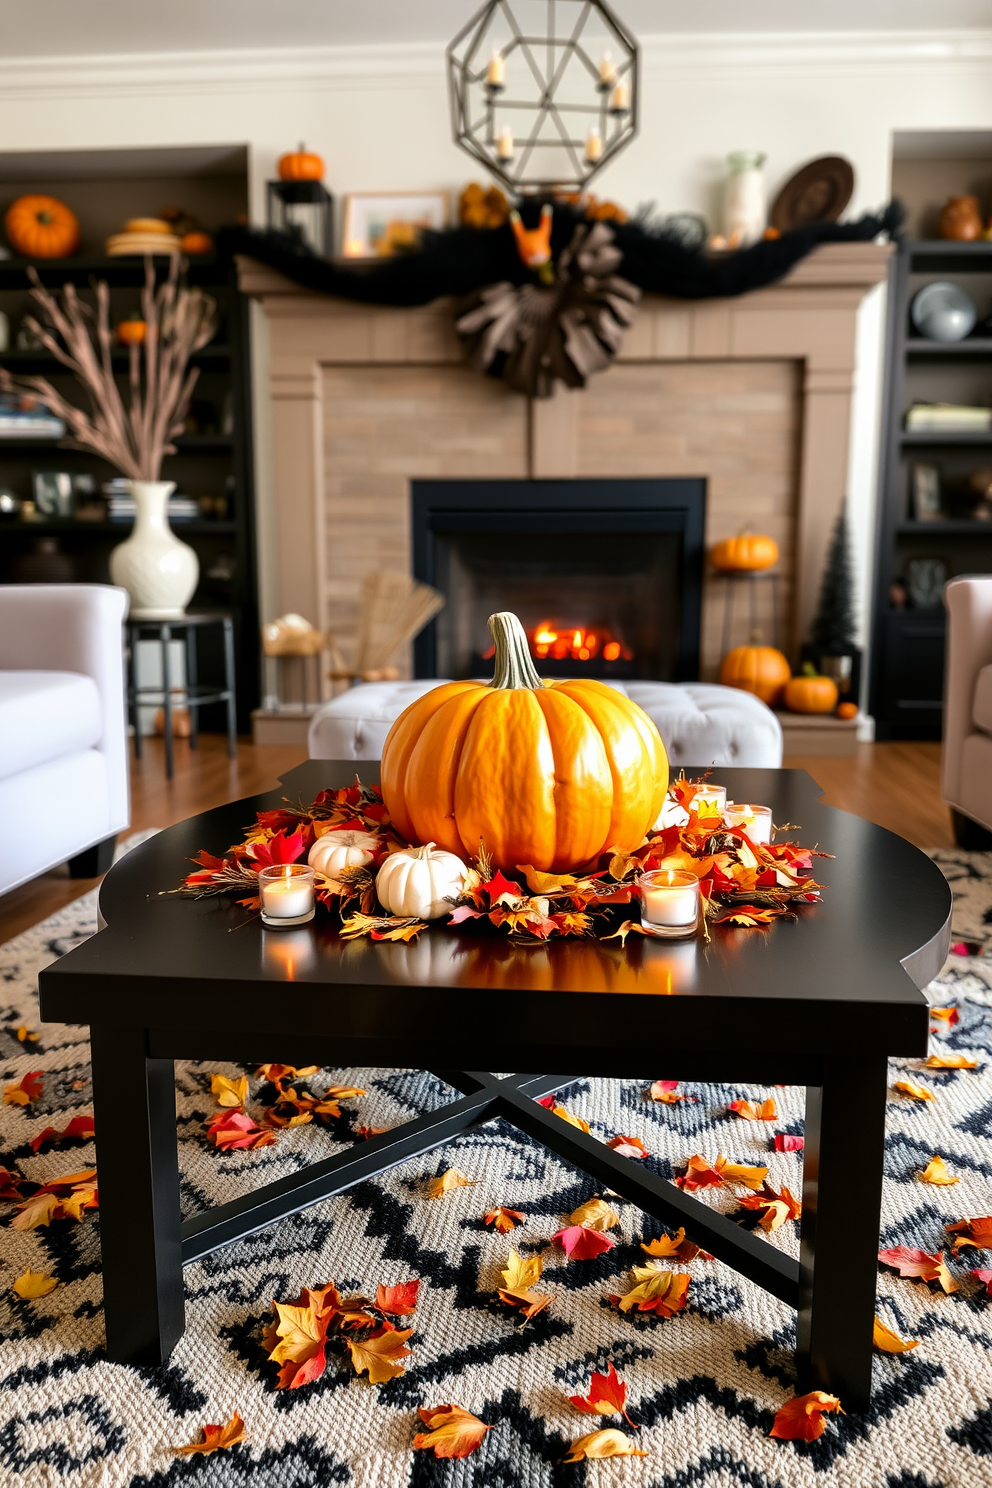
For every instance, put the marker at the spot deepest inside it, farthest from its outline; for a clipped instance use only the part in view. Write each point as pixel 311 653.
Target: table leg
pixel 191 681
pixel 229 686
pixel 134 1107
pixel 842 1200
pixel 166 638
pixel 131 632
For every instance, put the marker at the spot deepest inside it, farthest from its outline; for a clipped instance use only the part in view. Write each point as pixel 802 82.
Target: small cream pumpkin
pixel 419 882
pixel 341 848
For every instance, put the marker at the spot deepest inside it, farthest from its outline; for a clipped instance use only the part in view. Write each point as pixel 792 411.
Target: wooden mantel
pixel 807 320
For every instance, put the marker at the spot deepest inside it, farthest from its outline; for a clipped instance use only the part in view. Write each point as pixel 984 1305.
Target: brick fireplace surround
pixel 752 393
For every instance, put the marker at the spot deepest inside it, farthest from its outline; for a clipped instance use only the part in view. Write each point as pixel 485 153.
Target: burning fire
pixel 575 643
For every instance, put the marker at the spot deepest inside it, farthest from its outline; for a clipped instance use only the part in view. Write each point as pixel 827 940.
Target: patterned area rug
pixel 704 1384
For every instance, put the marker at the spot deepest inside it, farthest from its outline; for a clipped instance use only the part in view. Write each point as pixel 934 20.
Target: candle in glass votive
pixel 620 99
pixel 594 144
pixel 756 821
pixel 504 143
pixel 709 795
pixel 286 894
pixel 669 902
pixel 496 74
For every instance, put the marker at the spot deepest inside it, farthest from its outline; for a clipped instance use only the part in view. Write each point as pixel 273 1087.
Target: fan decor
pixel 564 327
pixel 543 92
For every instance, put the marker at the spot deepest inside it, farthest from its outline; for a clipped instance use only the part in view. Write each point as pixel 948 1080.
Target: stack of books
pixel 26 418
pixel 121 507
pixel 949 417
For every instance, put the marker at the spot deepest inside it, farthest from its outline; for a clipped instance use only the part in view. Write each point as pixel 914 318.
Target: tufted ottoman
pixel 700 722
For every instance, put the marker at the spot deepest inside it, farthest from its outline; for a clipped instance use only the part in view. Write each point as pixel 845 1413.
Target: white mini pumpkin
pixel 419 882
pixel 341 848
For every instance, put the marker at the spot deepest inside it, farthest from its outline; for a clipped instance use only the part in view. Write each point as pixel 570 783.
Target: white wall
pixel 379 116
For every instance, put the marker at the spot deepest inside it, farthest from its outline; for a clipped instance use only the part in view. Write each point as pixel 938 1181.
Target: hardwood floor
pixel 896 785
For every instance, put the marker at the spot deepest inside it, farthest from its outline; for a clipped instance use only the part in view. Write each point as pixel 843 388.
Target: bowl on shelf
pixel 942 311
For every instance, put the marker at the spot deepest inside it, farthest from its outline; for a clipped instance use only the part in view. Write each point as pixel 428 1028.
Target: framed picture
pixel 381 224
pixel 52 492
pixel 925 492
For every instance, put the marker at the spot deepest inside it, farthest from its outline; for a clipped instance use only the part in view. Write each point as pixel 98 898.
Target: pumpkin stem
pixel 426 850
pixel 513 666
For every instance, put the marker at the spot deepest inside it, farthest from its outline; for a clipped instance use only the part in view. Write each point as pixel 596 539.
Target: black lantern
pixel 306 210
pixel 543 92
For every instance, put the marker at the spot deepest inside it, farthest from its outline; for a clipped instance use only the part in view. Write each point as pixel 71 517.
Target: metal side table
pixel 186 628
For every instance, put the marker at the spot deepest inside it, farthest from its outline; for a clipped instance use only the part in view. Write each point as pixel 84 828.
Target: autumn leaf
pixel 504 1219
pixel 235 1131
pixel 595 1214
pixel 446 1182
pixel 298 1339
pixel 985 1277
pixel 675 1247
pixel 277 849
pixel 749 917
pixel 666 1092
pixel 398 1301
pixel 83 1196
pixel 10 1185
pixel 367 1132
pixel 802 1419
pixel 381 927
pixel 25 1036
pixel 519 1275
pixel 773 1208
pixel 786 1142
pixel 607 1396
pixel 628 1146
pixel 610 1442
pixel 890 1343
pixel 948 1015
pixel 699 1173
pixel 229 1092
pixel 25 1090
pixel 451 1431
pixel 380 1354
pixel 581 1243
pixel 936 1172
pixel 751 1111
pixel 216 1438
pixel 39 1209
pixel 663 1292
pixel 343 1092
pixel 34 1284
pixel 976 1233
pixel 572 1120
pixel 950 1061
pixel 279 1074
pixel 730 1172
pixel 920 1264
pixel 915 1092
pixel 80 1127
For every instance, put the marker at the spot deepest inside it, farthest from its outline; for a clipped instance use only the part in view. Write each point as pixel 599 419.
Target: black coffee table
pixel 821 1001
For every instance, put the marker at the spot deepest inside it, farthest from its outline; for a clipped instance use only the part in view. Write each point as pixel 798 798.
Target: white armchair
pixel 63 733
pixel 967 754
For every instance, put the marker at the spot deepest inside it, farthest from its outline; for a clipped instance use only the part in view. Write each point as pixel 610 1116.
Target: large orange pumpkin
pixel 547 774
pixel 41 227
pixel 301 165
pixel 758 669
pixel 746 553
pixel 811 694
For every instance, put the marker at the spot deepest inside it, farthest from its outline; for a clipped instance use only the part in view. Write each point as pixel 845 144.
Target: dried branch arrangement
pixel 132 432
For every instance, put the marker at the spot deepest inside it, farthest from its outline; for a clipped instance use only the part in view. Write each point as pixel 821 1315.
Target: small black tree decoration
pixel 833 630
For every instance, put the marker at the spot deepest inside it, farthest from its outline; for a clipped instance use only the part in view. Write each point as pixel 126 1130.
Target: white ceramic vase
pixel 744 197
pixel 158 571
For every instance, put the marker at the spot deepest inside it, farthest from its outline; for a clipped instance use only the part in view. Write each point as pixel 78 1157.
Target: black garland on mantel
pixel 461 260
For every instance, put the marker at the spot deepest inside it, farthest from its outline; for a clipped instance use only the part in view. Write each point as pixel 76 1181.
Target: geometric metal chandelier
pixel 543 92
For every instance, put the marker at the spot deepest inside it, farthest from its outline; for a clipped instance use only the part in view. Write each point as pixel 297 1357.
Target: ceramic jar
pixel 744 208
pixel 158 571
pixel 961 219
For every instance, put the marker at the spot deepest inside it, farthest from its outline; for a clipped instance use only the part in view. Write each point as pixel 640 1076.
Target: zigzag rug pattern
pixel 704 1385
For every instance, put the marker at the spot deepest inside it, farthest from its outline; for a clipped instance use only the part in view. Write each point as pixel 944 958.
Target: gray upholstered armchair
pixel 967 758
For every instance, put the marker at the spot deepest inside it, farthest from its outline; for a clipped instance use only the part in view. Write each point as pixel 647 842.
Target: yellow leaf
pixel 33 1284
pixel 520 1274
pixel 343 1092
pixel 740 1173
pixel 595 1214
pixel 950 1061
pixel 82 1197
pixel 40 1209
pixel 446 1182
pixel 936 1172
pixel 663 1292
pixel 227 1092
pixel 609 1442
pixel 381 1354
pixel 889 1342
pixel 25 1036
pixel 572 1120
pixel 915 1092
pixel 216 1438
pixel 547 883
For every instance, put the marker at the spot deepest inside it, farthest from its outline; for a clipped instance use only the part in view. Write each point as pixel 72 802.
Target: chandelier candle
pixel 504 144
pixel 669 903
pixel 594 144
pixel 756 821
pixel 496 73
pixel 286 894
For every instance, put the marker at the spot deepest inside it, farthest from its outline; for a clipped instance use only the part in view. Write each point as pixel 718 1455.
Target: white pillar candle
pixel 286 894
pixel 504 143
pixel 594 144
pixel 669 902
pixel 756 821
pixel 496 75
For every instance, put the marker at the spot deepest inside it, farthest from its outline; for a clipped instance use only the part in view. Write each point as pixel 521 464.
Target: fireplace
pixel 606 575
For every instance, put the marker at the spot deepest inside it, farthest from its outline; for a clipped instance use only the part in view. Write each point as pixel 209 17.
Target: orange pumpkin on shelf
pixel 42 227
pixel 746 553
pixel 550 774
pixel 811 693
pixel 196 242
pixel 131 332
pixel 847 711
pixel 762 670
pixel 301 165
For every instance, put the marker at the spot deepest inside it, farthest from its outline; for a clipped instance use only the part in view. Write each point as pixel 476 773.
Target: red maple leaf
pixel 278 849
pixel 580 1243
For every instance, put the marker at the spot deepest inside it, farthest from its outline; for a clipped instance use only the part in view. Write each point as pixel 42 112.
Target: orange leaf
pixel 399 1300
pixel 504 1219
pixel 446 1182
pixel 675 1247
pixel 919 1263
pixel 915 1092
pixel 381 1354
pixel 766 1111
pixel 235 1131
pixel 802 1419
pixel 948 1015
pixel 572 1120
pixel 519 1274
pixel 749 917
pixel 228 1092
pixel 83 1196
pixel 25 1090
pixel 890 1343
pixel 79 1126
pixel 663 1292
pixel 580 1243
pixel 774 1208
pixel 452 1432
pixel 665 1091
pixel 972 1232
pixel 607 1396
pixel 740 1173
pixel 299 1337
pixel 610 1442
pixel 628 1146
pixel 280 1073
pixel 936 1172
pixel 699 1173
pixel 950 1061
pixel 25 1036
pixel 216 1438
pixel 34 1284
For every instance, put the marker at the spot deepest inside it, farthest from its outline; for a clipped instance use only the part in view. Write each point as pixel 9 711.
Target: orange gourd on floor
pixel 759 669
pixel 41 227
pixel 811 694
pixel 746 553
pixel 301 165
pixel 847 711
pixel 550 774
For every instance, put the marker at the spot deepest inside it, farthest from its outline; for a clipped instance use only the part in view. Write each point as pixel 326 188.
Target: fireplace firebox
pixel 606 575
